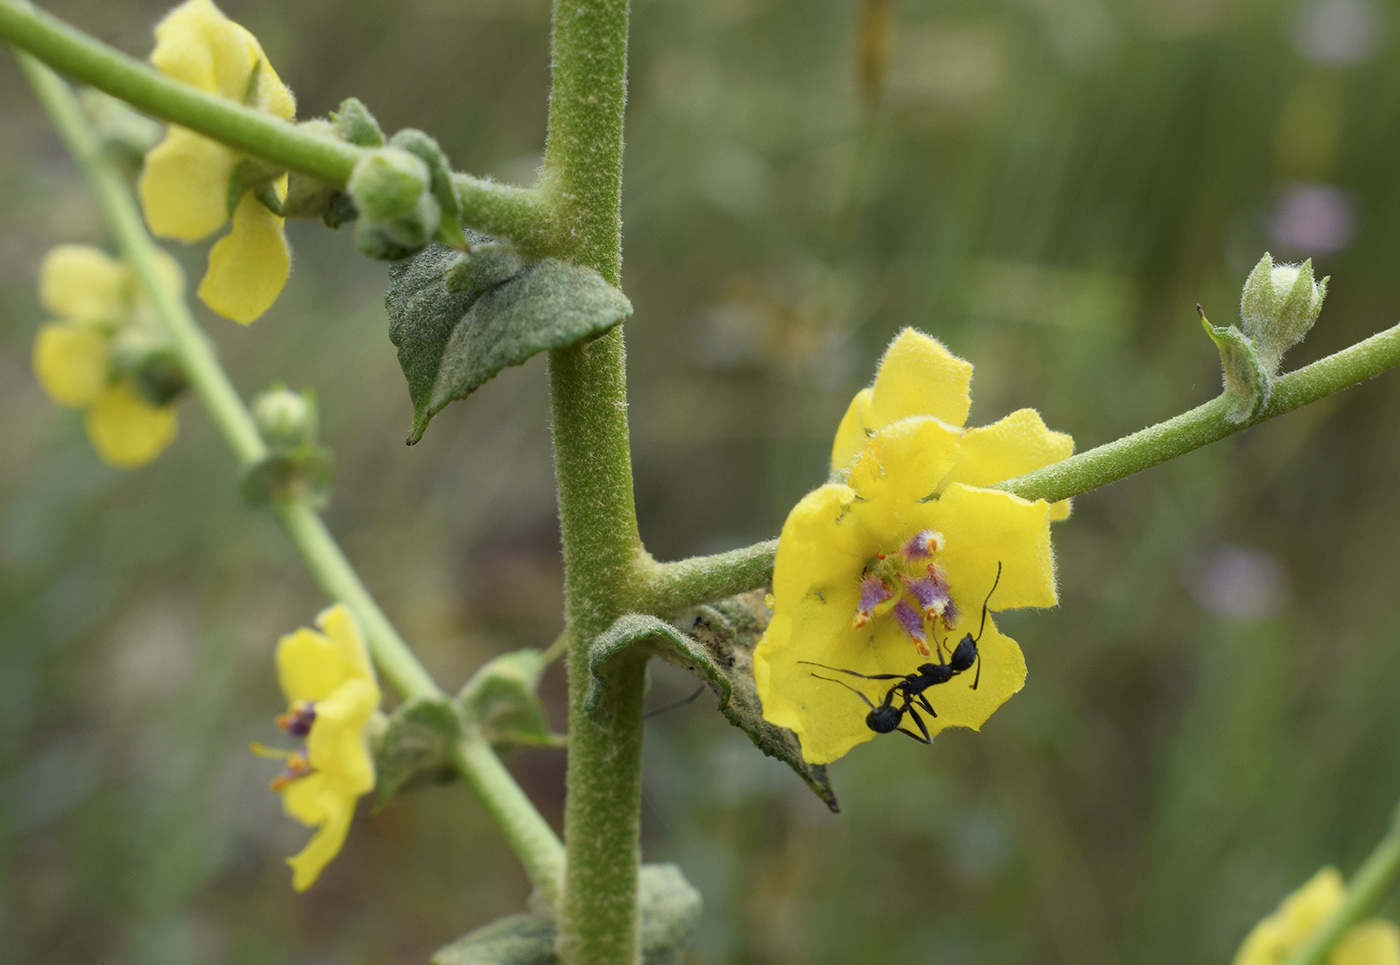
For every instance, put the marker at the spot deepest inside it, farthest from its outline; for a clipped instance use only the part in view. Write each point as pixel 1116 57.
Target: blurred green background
pixel 1049 186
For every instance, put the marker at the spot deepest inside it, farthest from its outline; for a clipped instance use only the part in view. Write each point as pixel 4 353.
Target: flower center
pixel 296 766
pixel 298 719
pixel 909 585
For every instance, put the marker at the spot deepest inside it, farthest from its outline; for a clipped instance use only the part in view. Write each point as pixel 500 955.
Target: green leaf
pixel 354 123
pixel 717 646
pixel 669 908
pixel 514 940
pixel 413 749
pixel 452 343
pixel 501 697
pixel 1247 379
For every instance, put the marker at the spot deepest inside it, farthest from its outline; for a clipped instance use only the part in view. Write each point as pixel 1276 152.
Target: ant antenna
pixel 978 638
pixel 680 703
pixel 847 686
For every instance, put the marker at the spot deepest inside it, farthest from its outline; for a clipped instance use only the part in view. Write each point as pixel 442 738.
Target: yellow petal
pixel 83 283
pixel 249 266
pixel 309 665
pixel 127 431
pixel 273 96
pixel 983 528
pixel 336 745
pixel 1014 445
pixel 904 462
pixel 184 185
pixel 312 801
pixel 820 551
pixel 72 363
pixel 1278 934
pixel 918 376
pixel 197 44
pixel 343 630
pixel 852 434
pixel 1375 942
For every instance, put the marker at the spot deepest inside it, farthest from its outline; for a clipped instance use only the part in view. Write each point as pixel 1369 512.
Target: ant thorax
pixel 910 587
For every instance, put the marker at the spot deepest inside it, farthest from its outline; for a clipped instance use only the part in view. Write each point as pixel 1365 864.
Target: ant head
pixel 882 720
pixel 965 654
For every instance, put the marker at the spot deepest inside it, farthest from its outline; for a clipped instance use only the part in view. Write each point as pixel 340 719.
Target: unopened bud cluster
pixel 398 213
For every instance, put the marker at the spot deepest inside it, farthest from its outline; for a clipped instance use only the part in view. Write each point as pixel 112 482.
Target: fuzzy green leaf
pixel 1247 378
pixel 717 646
pixel 452 343
pixel 669 909
pixel 501 697
pixel 413 749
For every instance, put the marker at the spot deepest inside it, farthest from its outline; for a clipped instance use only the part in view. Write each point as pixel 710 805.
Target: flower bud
pixel 1279 305
pixel 286 419
pixel 398 213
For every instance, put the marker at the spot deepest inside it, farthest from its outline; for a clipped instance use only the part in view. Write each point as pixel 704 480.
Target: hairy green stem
pixel 1206 423
pixel 689 580
pixel 582 181
pixel 85 59
pixel 528 833
pixel 1365 890
pixel 498 209
pixel 669 588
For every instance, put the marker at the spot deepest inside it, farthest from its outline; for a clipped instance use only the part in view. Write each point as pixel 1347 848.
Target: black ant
pixel 886 716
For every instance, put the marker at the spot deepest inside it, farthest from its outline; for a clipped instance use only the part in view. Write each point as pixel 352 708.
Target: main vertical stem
pixel 582 181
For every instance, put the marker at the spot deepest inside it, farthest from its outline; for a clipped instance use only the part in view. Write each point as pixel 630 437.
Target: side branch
pixel 668 588
pixel 86 59
pixel 1205 424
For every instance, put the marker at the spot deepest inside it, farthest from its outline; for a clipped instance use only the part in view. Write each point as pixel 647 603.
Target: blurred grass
pixel 1049 186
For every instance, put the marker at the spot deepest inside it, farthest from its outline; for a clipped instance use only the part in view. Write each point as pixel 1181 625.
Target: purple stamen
pixel 921 546
pixel 873 592
pixel 911 621
pixel 298 719
pixel 932 593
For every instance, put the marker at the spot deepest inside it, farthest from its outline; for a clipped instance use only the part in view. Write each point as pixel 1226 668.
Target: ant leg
pixel 862 676
pixel 977 679
pixel 848 687
pixel 922 701
pixel 923 728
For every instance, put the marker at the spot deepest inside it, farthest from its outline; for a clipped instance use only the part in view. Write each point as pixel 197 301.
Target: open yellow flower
pixel 884 572
pixel 1374 942
pixel 98 302
pixel 332 696
pixel 187 186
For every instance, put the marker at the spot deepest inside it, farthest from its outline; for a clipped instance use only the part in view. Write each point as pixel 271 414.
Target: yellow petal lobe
pixel 72 363
pixel 313 801
pixel 919 376
pixel 184 185
pixel 1016 444
pixel 1375 942
pixel 984 529
pixel 83 283
pixel 309 665
pixel 197 44
pixel 1278 934
pixel 127 431
pixel 851 434
pixel 904 462
pixel 249 266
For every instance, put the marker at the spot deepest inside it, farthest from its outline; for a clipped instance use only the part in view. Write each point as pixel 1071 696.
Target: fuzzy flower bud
pixel 285 418
pixel 398 213
pixel 1279 305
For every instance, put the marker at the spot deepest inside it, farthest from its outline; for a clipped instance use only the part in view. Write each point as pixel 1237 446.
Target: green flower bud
pixel 151 364
pixel 398 213
pixel 286 419
pixel 1279 305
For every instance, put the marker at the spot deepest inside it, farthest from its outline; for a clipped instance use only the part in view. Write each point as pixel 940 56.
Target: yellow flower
pixel 98 303
pixel 332 696
pixel 885 572
pixel 1374 942
pixel 187 185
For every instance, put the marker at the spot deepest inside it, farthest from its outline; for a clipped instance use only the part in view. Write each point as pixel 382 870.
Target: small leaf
pixel 305 472
pixel 413 750
pixel 718 649
pixel 354 123
pixel 668 906
pixel 501 697
pixel 1246 378
pixel 1258 302
pixel 514 940
pixel 452 343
